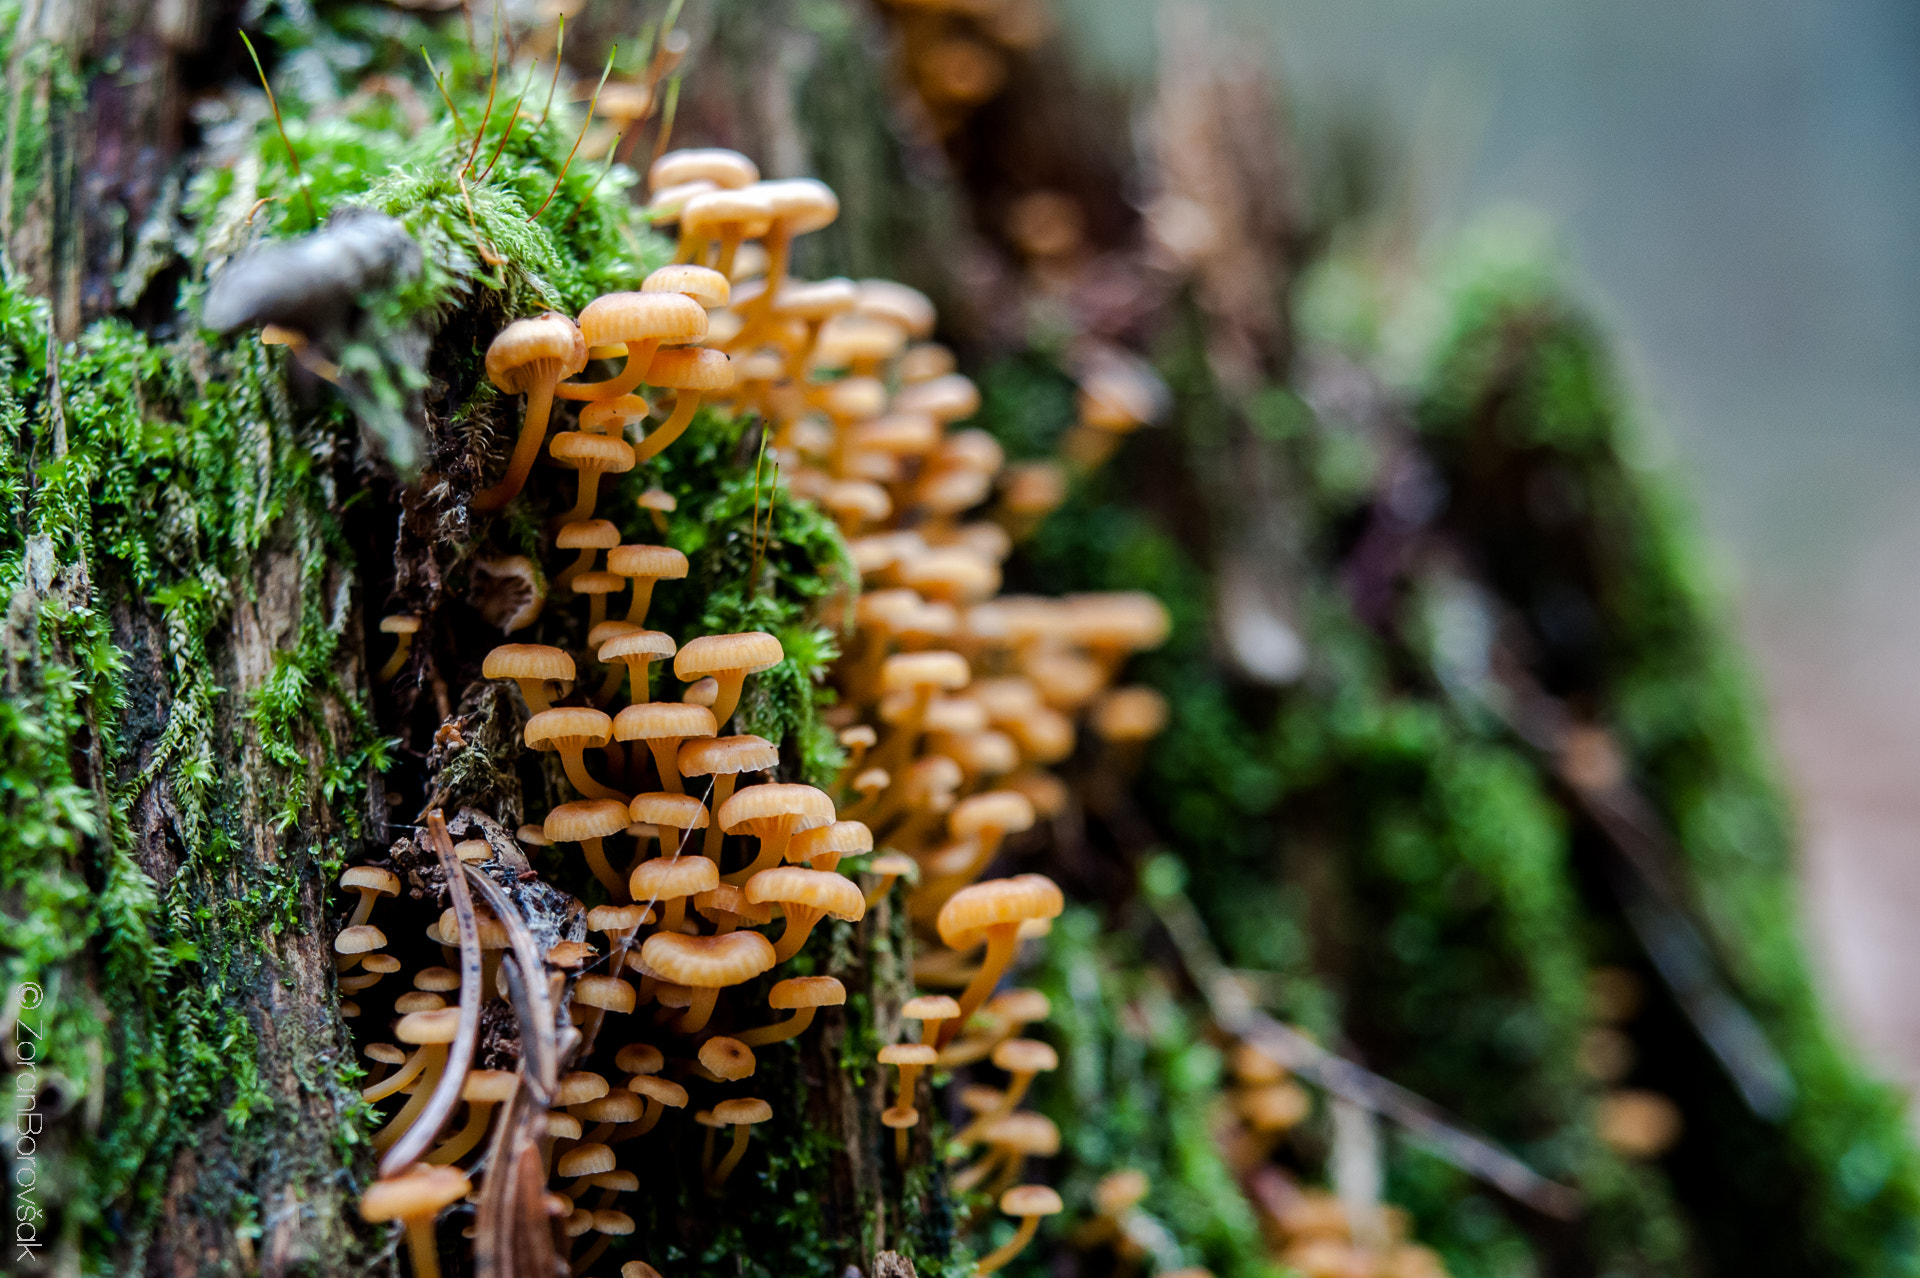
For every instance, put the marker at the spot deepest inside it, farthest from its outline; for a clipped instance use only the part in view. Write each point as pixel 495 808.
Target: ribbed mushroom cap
pixel 963 920
pixel 436 979
pixel 1024 1056
pixel 907 308
pixel 908 1054
pixel 651 644
pixel 586 819
pixel 586 1160
pixel 613 416
pixel 615 1107
pixel 420 1190
pixel 806 991
pixel 600 534
pixel 616 1224
pixel 1122 619
pixel 371 878
pixel 836 894
pixel 722 755
pixel 608 993
pixel 1031 1200
pixel 807 807
pixel 563 1126
pixel 615 319
pixel 666 1091
pixel 362 938
pixel 694 368
pixel 658 499
pixel 704 691
pixel 1022 1005
pixel 950 398
pixel 702 283
pixel 746 212
pixel 677 811
pixel 727 1059
pixel 526 661
pixel 1130 714
pixel 932 669
pixel 533 836
pixel 384 964
pixel 578 1087
pixel 801 204
pixel 437 1026
pixel 702 164
pixel 744 1112
pixel 597 583
pixel 664 721
pixel 814 300
pixel 930 1007
pixel 708 961
pixel 668 878
pixel 639 1058
pixel 1008 811
pixel 400 623
pixel 570 954
pixel 473 850
pixel 726 899
pixel 385 1053
pixel 848 838
pixel 751 651
pixel 952 573
pixel 569 728
pixel 615 918
pixel 585 450
pixel 857 498
pixel 545 348
pixel 489 1086
pixel 662 563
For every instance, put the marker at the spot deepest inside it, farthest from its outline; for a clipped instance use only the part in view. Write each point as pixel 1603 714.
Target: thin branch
pixel 280 124
pixel 594 102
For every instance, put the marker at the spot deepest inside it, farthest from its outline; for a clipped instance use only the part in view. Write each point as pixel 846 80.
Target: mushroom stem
pixel 800 924
pixel 363 911
pixel 1002 940
pixel 773 850
pixel 533 433
pixel 700 1011
pixel 420 1247
pixel 676 424
pixel 666 757
pixel 999 1256
pixel 589 496
pixel 779 1031
pixel 898 747
pixel 722 791
pixel 730 682
pixel 909 1081
pixel 574 569
pixel 742 1132
pixel 642 1125
pixel 597 862
pixel 576 766
pixel 642 600
pixel 462 1142
pixel 398 1079
pixel 398 659
pixel 592 1254
pixel 397 1126
pixel 535 691
pixel 878 890
pixel 639 356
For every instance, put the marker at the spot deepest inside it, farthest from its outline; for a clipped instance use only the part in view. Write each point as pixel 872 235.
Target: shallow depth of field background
pixel 1737 182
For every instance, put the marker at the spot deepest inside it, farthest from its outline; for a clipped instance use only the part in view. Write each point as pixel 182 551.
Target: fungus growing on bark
pixel 644 565
pixel 910 1059
pixel 706 965
pixel 632 656
pixel 806 897
pixel 640 322
pixel 533 666
pixel 801 995
pixel 821 847
pixel 724 759
pixel 727 1059
pixel 592 455
pixel 992 911
pixel 1028 1203
pixel 530 357
pixel 670 880
pixel 673 814
pixel 691 372
pixel 587 822
pixel 573 730
pixel 664 725
pixel 772 814
pixel 589 537
pixel 742 1115
pixel 414 1198
pixel 403 626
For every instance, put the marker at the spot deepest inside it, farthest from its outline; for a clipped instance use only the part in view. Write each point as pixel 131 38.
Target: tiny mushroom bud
pixel 403 626
pixel 533 666
pixel 530 357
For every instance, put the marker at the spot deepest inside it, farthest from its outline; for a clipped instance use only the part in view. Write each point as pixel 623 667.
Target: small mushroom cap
pixel 403 623
pixel 638 1269
pixel 853 399
pixel 419 1191
pixel 570 954
pixel 382 964
pixel 664 1090
pixel 1025 1131
pixel 1023 1006
pixel 702 164
pixel 906 307
pixel 1046 792
pixel 586 818
pixel 953 573
pixel 898 433
pixel 668 878
pixel 801 204
pixel 1031 1200
pixel 624 1182
pixel 570 727
pixel 658 499
pixel 1274 1107
pixel 586 1160
pixel 899 1116
pixel 613 416
pixel 371 878
pixel 896 864
pixel 662 563
pixel 860 734
pixel 615 1223
pixel 586 450
pixel 608 993
pixel 1118 1191
pixel 814 300
pixel 744 1111
pixel 526 661
pixel 933 669
pixel 857 497
pixel 489 1086
pixel 807 807
pixel 582 534
pixel 547 347
pixel 533 836
pixel 806 991
pixel 578 1223
pixel 677 811
pixel 925 362
pixel 1025 1056
pixel 473 850
pixel 1130 714
pixel 436 979
pixel 872 780
pixel 848 838
pixel 579 1087
pixel 728 1059
pixel 664 721
pixel 385 1053
pixel 714 212
pixel 836 894
pixel 562 1125
pixel 418 1001
pixel 691 368
pixel 639 1058
pixel 950 398
pixel 438 1026
pixel 729 900
pixel 1129 619
pixel 978 1099
pixel 708 961
pixel 359 939
pixel 1008 811
pixel 987 754
pixel 702 283
pixel 968 913
pixel 634 644
pixel 722 755
pixel 615 319
pixel 667 201
pixel 751 651
pixel 615 918
pixel 908 1054
pixel 930 1007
